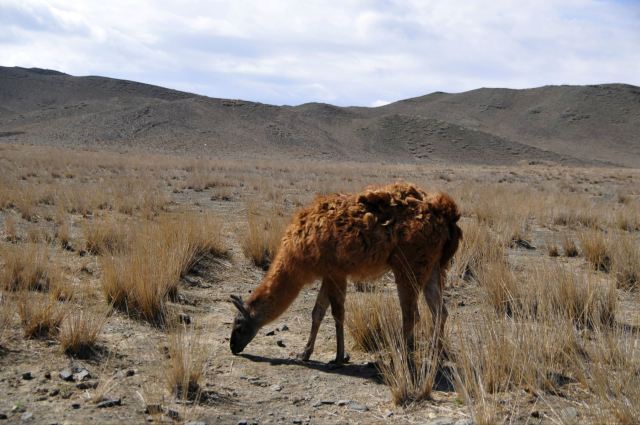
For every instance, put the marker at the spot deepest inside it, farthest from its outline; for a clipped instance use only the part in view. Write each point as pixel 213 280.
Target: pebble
pixel 66 375
pixel 568 413
pixel 297 421
pixel 27 376
pixel 243 422
pixel 271 333
pixel 26 416
pixel 47 375
pixel 284 328
pixel 275 387
pixel 442 421
pixel 75 405
pixel 81 375
pixel 87 385
pixel 343 402
pixel 358 407
pixel 280 343
pixel 109 403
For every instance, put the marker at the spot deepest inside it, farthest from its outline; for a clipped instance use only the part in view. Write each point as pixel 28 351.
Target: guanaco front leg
pixel 319 309
pixel 435 301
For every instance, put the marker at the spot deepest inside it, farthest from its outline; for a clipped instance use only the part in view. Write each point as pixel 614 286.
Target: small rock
pixel 388 414
pixel 297 421
pixel 284 328
pixel 343 402
pixel 75 406
pixel 153 409
pixel 535 414
pixel 66 375
pixel 243 422
pixel 358 407
pixel 317 404
pixel 87 385
pixel 130 372
pixel 3 416
pixel 81 375
pixel 27 376
pixel 26 416
pixel 568 413
pixel 184 318
pixel 173 414
pixel 54 392
pixel 271 333
pixel 109 403
pixel 442 421
pixel 275 387
pixel 47 375
pixel 280 343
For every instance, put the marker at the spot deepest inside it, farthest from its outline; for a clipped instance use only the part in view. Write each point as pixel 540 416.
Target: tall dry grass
pixel 265 228
pixel 80 330
pixel 40 314
pixel 29 267
pixel 7 312
pixel 106 236
pixel 374 323
pixel 147 274
pixel 184 370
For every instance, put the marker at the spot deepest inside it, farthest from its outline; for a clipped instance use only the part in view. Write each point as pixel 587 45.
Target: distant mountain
pixel 579 125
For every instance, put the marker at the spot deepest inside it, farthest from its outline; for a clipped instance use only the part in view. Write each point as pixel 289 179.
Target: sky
pixel 345 52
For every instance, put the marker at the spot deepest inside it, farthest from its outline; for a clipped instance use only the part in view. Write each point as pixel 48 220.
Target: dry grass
pixel 264 231
pixel 625 261
pixel 569 247
pixel 6 317
pixel 595 249
pixel 10 229
pixel 141 280
pixel 374 322
pixel 28 267
pixel 40 314
pixel 80 330
pixel 184 370
pixel 106 237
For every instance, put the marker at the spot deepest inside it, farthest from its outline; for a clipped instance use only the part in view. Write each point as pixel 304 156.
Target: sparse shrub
pixel 478 246
pixel 264 233
pixel 594 247
pixel 40 314
pixel 501 287
pixel 63 234
pixel 185 366
pixel 80 330
pixel 552 250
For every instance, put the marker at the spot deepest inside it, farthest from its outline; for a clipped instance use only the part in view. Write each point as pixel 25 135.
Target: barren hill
pixel 564 124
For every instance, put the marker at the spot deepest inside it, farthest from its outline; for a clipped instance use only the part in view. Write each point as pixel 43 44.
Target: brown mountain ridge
pixel 574 125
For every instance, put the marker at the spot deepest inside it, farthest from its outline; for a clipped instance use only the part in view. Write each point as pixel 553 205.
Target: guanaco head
pixel 244 327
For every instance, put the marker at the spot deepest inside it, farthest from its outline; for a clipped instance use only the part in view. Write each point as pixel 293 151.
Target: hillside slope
pixel 563 124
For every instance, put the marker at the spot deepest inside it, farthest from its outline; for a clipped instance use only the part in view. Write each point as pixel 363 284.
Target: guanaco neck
pixel 278 289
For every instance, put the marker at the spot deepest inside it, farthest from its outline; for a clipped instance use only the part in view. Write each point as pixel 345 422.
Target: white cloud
pixel 344 52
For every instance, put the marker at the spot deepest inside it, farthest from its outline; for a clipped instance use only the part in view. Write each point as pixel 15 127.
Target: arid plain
pixel 116 269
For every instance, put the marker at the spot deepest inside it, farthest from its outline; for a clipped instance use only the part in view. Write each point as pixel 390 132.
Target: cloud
pixel 352 52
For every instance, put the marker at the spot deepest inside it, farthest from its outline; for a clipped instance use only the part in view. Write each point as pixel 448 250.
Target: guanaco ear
pixel 239 304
